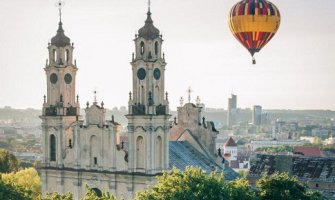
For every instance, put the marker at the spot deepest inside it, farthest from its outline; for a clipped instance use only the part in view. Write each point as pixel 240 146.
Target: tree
pixel 281 186
pixel 240 189
pixel 26 178
pixel 5 145
pixel 11 192
pixel 91 195
pixel 56 196
pixel 277 149
pixel 8 162
pixel 191 184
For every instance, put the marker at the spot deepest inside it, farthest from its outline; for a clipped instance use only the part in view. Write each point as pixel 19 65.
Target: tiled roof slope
pixel 314 168
pixel 182 154
pixel 303 167
pixel 230 143
pixel 308 151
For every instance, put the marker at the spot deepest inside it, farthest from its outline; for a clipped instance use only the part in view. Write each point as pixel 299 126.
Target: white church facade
pixel 89 152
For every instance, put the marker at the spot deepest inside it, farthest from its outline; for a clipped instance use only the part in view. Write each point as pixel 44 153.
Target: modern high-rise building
pixel 232 111
pixel 257 115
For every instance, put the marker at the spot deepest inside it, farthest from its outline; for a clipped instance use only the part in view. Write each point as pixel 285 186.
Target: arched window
pixel 97 192
pixel 94 152
pixel 52 148
pixel 142 48
pixel 140 153
pixel 67 55
pixel 159 155
pixel 156 48
pixel 156 94
pixel 54 56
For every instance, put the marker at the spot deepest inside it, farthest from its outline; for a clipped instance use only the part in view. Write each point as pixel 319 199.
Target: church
pixel 88 152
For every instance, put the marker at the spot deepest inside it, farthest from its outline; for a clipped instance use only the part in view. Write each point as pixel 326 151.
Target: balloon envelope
pixel 254 23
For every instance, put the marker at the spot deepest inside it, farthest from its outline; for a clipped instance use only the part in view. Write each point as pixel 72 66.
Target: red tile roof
pixel 308 151
pixel 230 143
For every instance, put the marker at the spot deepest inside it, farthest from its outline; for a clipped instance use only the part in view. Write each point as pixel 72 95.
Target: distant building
pixel 308 151
pixel 318 132
pixel 330 141
pixel 257 115
pixel 230 148
pixel 255 144
pixel 317 173
pixel 190 123
pixel 307 139
pixel 232 111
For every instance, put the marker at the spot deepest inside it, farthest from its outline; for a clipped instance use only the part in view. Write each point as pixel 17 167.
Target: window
pixel 142 48
pixel 70 143
pixel 159 155
pixel 156 48
pixel 54 55
pixel 97 192
pixel 52 148
pixel 67 55
pixel 94 150
pixel 140 152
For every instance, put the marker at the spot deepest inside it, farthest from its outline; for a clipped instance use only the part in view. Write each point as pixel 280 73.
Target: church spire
pixel 149 5
pixel 60 40
pixel 148 31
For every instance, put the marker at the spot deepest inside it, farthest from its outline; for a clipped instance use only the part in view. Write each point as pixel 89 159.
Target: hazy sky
pixel 296 70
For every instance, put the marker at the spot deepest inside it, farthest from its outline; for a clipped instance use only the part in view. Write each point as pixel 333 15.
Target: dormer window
pixel 142 48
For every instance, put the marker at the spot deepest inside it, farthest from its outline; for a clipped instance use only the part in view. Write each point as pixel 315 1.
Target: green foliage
pixel 5 145
pixel 24 165
pixel 281 186
pixel 12 192
pixel 195 184
pixel 275 149
pixel 91 195
pixel 244 173
pixel 27 178
pixel 329 148
pixel 56 196
pixel 191 184
pixel 242 141
pixel 240 189
pixel 8 162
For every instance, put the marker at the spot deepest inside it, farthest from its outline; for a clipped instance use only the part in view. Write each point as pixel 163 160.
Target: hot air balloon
pixel 254 23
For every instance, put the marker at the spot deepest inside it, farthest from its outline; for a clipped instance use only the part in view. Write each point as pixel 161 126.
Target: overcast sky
pixel 296 70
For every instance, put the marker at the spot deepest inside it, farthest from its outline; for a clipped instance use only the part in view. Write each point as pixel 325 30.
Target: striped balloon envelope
pixel 254 23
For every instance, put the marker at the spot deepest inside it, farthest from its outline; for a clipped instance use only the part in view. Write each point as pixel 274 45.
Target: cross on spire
pixel 95 95
pixel 189 91
pixel 60 4
pixel 149 5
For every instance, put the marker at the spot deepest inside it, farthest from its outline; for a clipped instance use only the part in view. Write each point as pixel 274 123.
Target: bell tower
pixel 148 118
pixel 61 77
pixel 61 106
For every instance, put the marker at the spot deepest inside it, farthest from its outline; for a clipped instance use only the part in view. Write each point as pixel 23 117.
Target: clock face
pixel 53 78
pixel 157 74
pixel 141 74
pixel 68 78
